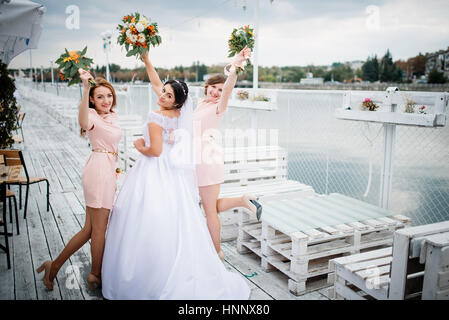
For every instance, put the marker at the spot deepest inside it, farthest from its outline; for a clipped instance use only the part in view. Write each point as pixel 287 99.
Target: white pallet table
pixel 249 238
pixel 263 191
pixel 435 254
pixel 300 235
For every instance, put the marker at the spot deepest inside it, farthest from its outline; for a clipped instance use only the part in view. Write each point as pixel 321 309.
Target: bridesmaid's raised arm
pixel 83 112
pixel 155 81
pixel 230 82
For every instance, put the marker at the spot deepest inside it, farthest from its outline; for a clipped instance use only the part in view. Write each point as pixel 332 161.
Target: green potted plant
pixel 8 108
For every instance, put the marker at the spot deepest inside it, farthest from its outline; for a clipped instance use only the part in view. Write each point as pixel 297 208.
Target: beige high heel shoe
pixel 254 206
pixel 46 279
pixel 92 280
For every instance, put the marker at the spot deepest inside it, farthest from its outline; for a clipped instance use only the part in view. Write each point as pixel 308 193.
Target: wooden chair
pixel 11 195
pixel 3 223
pixel 20 118
pixel 15 158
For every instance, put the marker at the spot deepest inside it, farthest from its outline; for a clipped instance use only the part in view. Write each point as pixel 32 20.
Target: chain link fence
pixel 329 154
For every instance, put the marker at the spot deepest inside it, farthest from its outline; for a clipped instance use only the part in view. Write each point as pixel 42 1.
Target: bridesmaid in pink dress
pixel 97 117
pixel 210 164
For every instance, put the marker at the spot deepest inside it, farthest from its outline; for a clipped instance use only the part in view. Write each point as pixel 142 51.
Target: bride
pixel 157 243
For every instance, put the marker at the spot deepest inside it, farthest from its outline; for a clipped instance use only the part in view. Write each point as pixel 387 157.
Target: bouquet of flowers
pixel 69 62
pixel 137 32
pixel 241 38
pixel 369 104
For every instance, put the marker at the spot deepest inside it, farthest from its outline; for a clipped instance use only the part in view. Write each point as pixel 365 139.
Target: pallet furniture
pixel 261 171
pixel 395 273
pixel 299 235
pixel 435 254
pixel 20 138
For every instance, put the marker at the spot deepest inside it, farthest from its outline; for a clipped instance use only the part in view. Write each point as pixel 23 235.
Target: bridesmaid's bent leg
pixel 72 246
pixel 99 219
pixel 225 204
pixel 209 195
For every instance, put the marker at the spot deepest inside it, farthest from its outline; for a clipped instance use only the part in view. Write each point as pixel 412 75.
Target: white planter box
pixel 412 119
pixel 250 103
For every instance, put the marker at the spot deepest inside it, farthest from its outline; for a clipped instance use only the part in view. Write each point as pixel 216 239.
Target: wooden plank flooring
pixel 53 151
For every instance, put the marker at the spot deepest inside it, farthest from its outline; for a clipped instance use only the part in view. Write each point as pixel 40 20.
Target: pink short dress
pixel 99 176
pixel 209 154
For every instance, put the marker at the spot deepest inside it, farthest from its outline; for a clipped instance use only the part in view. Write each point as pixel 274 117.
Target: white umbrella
pixel 20 27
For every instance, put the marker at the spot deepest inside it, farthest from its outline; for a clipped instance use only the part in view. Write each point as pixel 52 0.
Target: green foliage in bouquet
pixel 241 38
pixel 8 108
pixel 70 62
pixel 137 34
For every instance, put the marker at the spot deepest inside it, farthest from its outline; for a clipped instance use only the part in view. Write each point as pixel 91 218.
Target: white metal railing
pixel 329 154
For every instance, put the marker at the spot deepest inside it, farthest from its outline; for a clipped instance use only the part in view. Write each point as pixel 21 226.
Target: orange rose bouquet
pixel 137 34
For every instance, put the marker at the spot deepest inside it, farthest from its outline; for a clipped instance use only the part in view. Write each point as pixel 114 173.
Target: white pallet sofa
pixel 400 272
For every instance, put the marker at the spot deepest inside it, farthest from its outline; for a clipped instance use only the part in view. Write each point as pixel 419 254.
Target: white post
pixel 52 77
pixel 387 164
pixel 106 36
pixel 256 47
pixel 108 76
pixel 42 77
pixel 31 66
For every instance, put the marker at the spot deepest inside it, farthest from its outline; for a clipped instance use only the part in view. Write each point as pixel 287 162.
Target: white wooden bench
pixel 395 273
pixel 299 235
pixel 435 254
pixel 261 171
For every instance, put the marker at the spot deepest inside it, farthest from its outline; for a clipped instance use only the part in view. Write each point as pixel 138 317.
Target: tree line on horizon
pixel 372 70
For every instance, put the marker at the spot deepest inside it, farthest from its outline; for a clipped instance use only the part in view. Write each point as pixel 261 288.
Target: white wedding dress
pixel 157 243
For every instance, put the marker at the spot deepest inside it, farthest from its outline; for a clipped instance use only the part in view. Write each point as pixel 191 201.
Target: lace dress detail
pixel 168 126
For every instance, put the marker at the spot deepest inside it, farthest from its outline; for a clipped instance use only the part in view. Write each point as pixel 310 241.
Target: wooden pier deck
pixel 53 151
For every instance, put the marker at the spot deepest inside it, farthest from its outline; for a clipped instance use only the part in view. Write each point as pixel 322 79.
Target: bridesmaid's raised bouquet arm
pixel 69 62
pixel 137 34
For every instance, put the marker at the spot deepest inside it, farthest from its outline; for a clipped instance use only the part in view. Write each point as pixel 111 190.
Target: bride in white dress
pixel 157 243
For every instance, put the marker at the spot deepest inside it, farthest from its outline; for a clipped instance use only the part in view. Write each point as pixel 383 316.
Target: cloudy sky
pixel 291 32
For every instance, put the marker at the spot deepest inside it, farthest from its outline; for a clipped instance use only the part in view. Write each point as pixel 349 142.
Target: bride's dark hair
pixel 181 91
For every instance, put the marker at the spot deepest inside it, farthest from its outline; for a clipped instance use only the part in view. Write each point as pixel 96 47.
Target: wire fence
pixel 329 154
